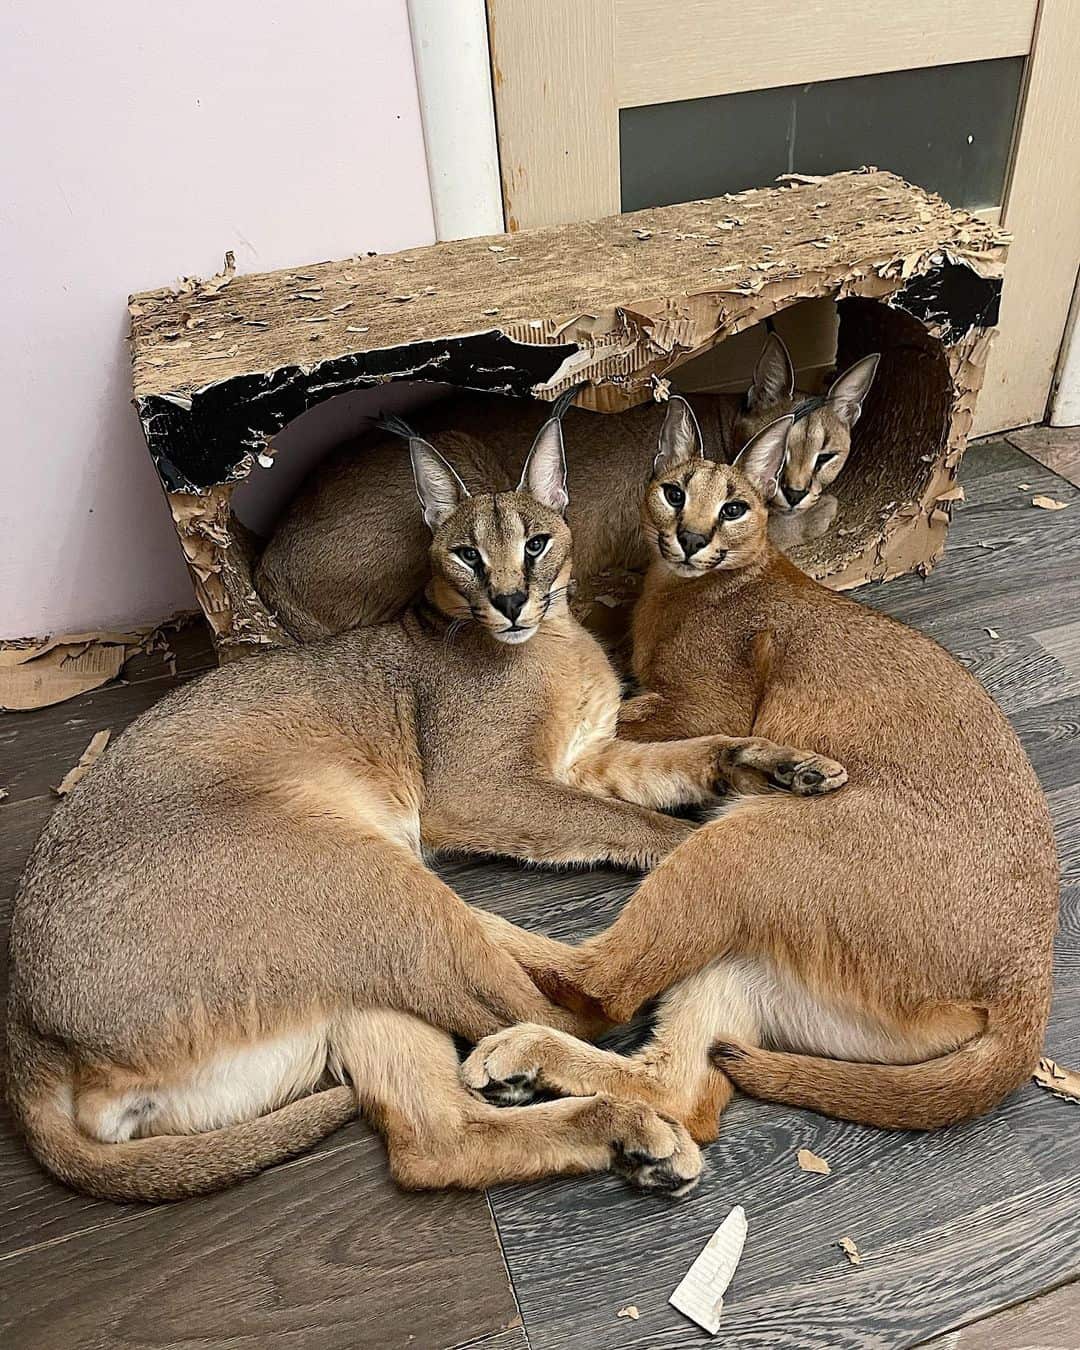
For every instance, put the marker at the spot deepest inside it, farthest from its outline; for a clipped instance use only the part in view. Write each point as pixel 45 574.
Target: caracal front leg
pixel 667 773
pixel 545 821
pixel 672 1073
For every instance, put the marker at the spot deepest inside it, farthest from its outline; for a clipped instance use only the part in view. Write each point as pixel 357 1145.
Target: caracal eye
pixel 536 545
pixel 825 456
pixel 733 510
pixel 468 555
pixel 675 495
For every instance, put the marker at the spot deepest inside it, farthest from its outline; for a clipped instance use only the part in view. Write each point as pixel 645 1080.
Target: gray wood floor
pixel 954 1227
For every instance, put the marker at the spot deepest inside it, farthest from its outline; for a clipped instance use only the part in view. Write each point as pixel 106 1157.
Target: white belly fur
pixel 748 998
pixel 234 1085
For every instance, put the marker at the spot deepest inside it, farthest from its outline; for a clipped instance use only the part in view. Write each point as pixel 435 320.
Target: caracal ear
pixel 680 436
pixel 439 488
pixel 774 376
pixel 763 456
pixel 544 474
pixel 847 392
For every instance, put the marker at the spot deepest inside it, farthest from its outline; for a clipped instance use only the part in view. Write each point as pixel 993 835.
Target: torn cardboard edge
pixel 40 672
pixel 87 760
pixel 619 303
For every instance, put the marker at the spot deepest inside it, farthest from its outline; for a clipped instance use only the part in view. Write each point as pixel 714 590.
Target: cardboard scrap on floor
pixel 629 1311
pixel 86 762
pixel 847 1246
pixel 700 1293
pixel 810 1162
pixel 38 672
pixel 1064 1083
pixel 1048 503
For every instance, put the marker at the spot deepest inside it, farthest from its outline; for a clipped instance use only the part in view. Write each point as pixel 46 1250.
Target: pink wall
pixel 141 141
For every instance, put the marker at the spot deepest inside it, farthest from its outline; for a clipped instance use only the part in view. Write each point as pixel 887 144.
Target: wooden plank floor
pixel 324 1252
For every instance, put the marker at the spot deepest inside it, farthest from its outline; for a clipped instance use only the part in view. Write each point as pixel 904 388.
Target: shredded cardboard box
pixel 619 304
pixel 700 1293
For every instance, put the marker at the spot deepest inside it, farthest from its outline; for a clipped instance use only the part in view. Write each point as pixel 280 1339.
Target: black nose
pixel 510 603
pixel 690 542
pixel 794 495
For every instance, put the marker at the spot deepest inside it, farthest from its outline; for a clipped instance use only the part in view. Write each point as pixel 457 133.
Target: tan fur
pixel 351 549
pixel 884 954
pixel 231 910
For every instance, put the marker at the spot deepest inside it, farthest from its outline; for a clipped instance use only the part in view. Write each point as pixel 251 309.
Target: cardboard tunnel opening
pixel 896 443
pixel 221 367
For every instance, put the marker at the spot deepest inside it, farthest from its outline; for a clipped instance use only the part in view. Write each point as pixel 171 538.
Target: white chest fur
pixel 591 721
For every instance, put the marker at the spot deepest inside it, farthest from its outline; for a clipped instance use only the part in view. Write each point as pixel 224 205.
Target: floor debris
pixel 1064 1083
pixel 1048 503
pixel 991 632
pixel 847 1246
pixel 629 1311
pixel 810 1162
pixel 700 1293
pixel 86 762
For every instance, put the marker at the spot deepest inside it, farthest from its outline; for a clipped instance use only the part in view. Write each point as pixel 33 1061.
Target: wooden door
pixel 573 79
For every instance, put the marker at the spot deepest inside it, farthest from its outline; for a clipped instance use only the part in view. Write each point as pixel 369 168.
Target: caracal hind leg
pixel 672 1073
pixel 379 929
pixel 696 907
pixel 407 1081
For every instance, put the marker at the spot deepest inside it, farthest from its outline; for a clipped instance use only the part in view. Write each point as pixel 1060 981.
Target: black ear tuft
pixel 396 426
pixel 565 399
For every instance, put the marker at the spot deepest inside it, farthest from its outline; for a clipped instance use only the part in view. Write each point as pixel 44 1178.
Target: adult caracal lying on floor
pixel 351 550
pixel 883 955
pixel 232 906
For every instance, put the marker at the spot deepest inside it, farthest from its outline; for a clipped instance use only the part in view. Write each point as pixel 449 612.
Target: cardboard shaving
pixel 221 279
pixel 1023 487
pixel 642 234
pixel 354 328
pixel 992 632
pixel 954 494
pixel 4 794
pixel 1048 503
pixel 630 1311
pixel 847 1246
pixel 1063 1083
pixel 86 762
pixel 810 1162
pixel 700 1293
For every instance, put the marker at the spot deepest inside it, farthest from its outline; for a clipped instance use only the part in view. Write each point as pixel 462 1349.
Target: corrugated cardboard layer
pixel 220 367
